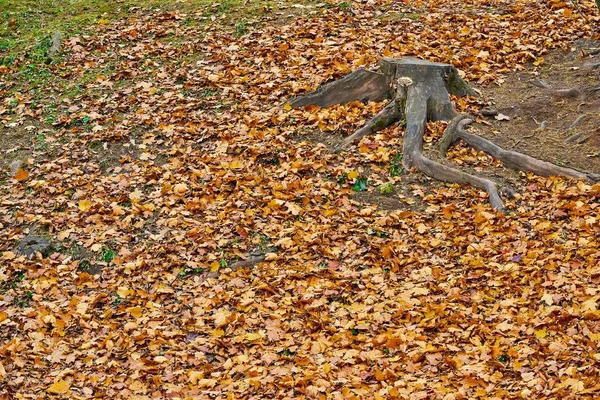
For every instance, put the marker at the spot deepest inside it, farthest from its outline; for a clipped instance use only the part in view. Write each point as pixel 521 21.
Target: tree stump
pixel 419 91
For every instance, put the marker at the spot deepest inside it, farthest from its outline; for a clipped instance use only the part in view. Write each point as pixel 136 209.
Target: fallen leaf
pixel 84 205
pixel 21 175
pixel 58 387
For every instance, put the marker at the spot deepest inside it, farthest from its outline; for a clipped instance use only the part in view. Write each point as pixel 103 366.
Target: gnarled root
pixel 423 91
pixel 511 159
pixel 391 113
pixel 448 174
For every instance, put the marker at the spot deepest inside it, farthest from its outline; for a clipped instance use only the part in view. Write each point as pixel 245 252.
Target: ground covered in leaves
pixel 159 150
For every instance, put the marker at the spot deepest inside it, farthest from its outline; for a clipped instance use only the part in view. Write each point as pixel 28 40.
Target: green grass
pixel 27 27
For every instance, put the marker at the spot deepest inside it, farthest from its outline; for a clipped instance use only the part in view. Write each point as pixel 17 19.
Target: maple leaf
pixel 58 387
pixel 84 205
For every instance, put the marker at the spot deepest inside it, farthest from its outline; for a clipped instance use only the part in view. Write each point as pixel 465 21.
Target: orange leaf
pixel 21 175
pixel 136 312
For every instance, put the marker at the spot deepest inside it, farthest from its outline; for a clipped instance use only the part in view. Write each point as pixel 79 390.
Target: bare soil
pixel 539 121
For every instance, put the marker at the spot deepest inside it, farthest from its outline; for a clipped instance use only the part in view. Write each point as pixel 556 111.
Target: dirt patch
pixel 331 140
pixel 540 120
pixel 20 140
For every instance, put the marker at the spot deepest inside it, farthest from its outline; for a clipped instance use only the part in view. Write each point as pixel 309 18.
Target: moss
pixel 457 86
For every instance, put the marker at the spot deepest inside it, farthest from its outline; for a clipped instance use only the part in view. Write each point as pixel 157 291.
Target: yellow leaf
pixel 236 165
pixel 8 255
pixel 3 316
pixel 103 21
pixel 58 387
pixel 206 383
pixel 214 266
pixel 353 175
pixel 135 196
pixel 287 107
pixel 180 189
pixel 253 336
pixel 222 318
pixel 538 61
pixel 136 312
pixel 567 12
pixel 218 332
pixel 465 30
pixel 21 175
pixel 594 336
pixel 117 209
pixel 85 205
pixel 123 291
pixel 540 334
pixel 548 299
pixel 194 376
pixel 326 368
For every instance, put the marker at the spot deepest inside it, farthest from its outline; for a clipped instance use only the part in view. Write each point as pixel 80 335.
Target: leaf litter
pixel 449 300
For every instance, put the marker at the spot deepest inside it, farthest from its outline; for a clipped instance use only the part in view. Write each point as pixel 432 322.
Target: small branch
pixel 593 25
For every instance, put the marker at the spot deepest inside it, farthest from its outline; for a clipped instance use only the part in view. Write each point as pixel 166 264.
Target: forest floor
pixel 156 151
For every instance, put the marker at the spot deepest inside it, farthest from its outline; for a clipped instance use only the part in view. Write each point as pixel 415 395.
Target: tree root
pixel 511 159
pixel 570 93
pixel 391 113
pixel 444 173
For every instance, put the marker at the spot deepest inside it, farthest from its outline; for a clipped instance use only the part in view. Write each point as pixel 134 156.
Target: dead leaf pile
pixel 180 157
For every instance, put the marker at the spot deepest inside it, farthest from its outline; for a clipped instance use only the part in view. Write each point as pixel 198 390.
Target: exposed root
pixel 359 85
pixel 448 174
pixel 574 138
pixel 571 93
pixel 577 121
pixel 392 112
pixel 511 159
